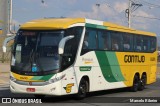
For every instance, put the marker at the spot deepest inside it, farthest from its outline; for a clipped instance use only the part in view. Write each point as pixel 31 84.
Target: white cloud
pixel 96 13
pixel 105 13
pixel 140 22
pixel 90 14
pixel 120 6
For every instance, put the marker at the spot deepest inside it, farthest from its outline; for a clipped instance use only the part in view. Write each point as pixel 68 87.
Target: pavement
pixel 4 67
pixel 4 73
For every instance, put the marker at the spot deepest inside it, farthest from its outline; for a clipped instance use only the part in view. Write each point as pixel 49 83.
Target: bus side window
pixel 85 42
pixel 127 42
pixel 90 41
pixel 145 44
pixel 152 44
pixel 116 41
pixel 103 40
pixel 138 43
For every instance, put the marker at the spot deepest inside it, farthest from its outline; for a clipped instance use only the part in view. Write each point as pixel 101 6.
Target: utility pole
pixel 131 8
pixel 129 14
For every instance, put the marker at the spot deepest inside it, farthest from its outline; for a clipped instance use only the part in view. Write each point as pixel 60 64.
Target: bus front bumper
pixel 50 89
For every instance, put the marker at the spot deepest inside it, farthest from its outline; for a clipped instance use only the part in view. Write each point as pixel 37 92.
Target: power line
pixel 146 17
pixel 107 4
pixel 149 4
pixel 132 6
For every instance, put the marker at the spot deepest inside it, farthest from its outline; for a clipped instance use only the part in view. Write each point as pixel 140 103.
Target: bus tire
pixel 142 82
pixel 135 85
pixel 82 90
pixel 38 96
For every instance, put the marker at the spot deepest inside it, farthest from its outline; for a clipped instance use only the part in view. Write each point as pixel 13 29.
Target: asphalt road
pixel 95 99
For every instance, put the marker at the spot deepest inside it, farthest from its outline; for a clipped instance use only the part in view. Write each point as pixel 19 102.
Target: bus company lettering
pixel 24 78
pixel 87 60
pixel 134 59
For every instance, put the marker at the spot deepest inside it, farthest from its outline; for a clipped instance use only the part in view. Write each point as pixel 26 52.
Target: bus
pixel 62 56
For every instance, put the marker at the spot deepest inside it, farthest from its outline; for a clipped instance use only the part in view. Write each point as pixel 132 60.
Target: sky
pixel 109 10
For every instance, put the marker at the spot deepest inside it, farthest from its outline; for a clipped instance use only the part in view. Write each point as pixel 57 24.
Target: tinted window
pixel 145 46
pixel 71 47
pixel 127 42
pixel 116 41
pixel 138 43
pixel 103 40
pixel 152 44
pixel 90 41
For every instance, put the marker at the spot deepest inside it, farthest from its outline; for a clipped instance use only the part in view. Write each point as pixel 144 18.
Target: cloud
pixel 96 13
pixel 140 22
pixel 104 13
pixel 90 14
pixel 120 6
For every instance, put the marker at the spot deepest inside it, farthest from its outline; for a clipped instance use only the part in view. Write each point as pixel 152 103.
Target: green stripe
pixel 95 26
pixel 36 77
pixel 109 66
pixel 114 64
pixel 44 78
pixel 47 77
pixel 105 66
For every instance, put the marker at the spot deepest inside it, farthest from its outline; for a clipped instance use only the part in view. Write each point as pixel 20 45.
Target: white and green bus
pixel 63 56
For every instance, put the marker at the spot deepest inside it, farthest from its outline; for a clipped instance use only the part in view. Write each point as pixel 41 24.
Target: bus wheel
pixel 39 96
pixel 82 90
pixel 135 85
pixel 142 82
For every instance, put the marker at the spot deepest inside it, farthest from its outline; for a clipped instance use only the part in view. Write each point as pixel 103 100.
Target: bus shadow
pixel 90 96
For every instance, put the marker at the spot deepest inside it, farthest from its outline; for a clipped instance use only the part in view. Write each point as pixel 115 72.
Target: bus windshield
pixel 36 52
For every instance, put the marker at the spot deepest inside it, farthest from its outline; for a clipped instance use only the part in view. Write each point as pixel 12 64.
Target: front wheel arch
pixel 82 88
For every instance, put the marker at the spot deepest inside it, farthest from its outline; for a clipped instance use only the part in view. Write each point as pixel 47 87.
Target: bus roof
pixel 64 23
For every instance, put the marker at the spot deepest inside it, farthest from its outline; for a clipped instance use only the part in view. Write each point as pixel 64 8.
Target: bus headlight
pixel 56 79
pixel 12 79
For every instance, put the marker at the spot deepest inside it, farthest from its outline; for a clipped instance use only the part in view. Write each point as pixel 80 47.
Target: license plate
pixel 30 90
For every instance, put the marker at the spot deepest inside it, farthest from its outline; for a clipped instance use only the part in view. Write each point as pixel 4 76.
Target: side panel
pixel 109 70
pixel 98 67
pixel 69 82
pixel 131 63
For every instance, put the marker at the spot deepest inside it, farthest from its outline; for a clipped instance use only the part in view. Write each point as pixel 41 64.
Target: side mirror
pixel 5 43
pixel 63 42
